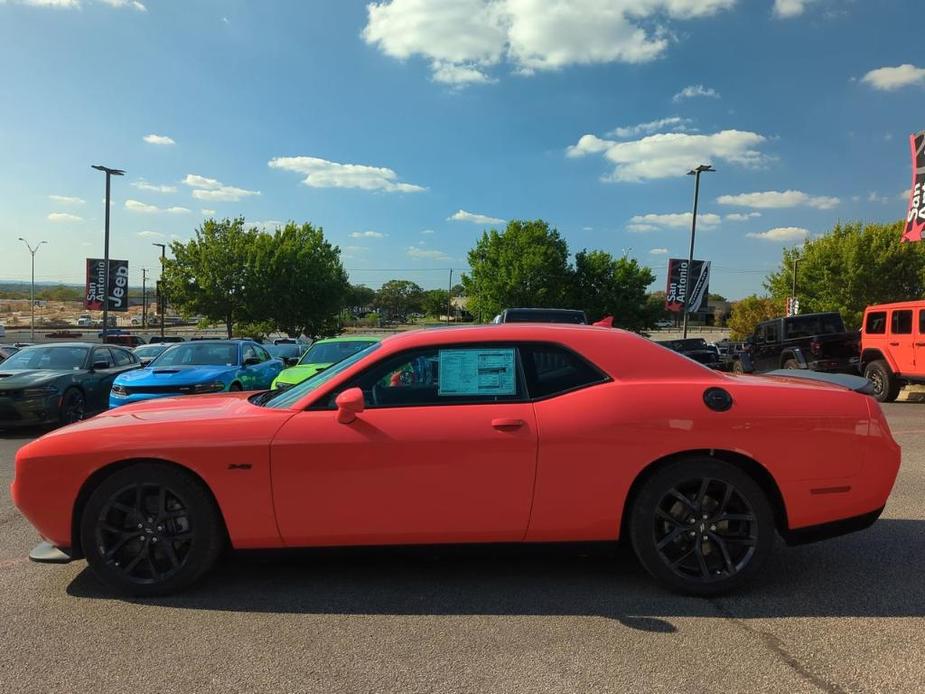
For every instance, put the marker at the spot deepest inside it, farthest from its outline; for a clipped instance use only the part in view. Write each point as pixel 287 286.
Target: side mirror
pixel 250 361
pixel 349 404
pixel 99 365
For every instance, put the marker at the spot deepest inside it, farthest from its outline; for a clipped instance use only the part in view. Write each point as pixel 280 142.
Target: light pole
pixel 144 298
pixel 32 251
pixel 109 173
pixel 703 168
pixel 160 286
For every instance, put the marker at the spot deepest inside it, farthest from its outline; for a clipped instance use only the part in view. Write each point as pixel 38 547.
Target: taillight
pixel 815 347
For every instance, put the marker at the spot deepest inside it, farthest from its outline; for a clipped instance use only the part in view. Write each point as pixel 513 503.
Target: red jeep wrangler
pixel 893 347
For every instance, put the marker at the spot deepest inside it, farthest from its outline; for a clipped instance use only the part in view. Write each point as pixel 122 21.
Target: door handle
pixel 505 423
pixel 894 344
pixel 920 344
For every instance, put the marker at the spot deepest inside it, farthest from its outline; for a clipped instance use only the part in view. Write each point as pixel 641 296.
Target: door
pixel 100 380
pixel 765 352
pixel 444 452
pixel 901 341
pixel 919 355
pixel 251 374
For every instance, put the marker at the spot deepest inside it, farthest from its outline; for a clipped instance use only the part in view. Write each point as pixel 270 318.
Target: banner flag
pixel 679 279
pixel 118 284
pixel 915 217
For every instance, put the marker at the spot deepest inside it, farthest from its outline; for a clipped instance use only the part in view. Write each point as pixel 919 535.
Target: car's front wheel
pixel 701 526
pixel 73 406
pixel 151 529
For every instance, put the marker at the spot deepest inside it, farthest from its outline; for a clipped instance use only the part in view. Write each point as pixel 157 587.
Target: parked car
pixel 320 356
pixel 7 351
pixel 815 341
pixel 124 339
pixel 2 330
pixel 147 353
pixel 695 348
pixel 157 339
pixel 288 352
pixel 515 433
pixel 199 367
pixel 893 347
pixel 541 315
pixel 59 383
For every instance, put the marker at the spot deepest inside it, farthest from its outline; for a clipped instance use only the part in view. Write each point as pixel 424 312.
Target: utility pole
pixel 449 297
pixel 144 298
pixel 160 286
pixel 32 251
pixel 703 168
pixel 109 173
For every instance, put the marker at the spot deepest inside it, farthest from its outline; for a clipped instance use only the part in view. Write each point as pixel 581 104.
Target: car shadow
pixel 875 573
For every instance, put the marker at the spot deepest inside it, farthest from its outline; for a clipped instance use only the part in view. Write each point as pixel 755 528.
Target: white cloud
pixel 659 251
pixel 321 173
pixel 426 254
pixel 267 225
pixel 773 199
pixel 463 216
pixel 782 234
pixel 215 191
pixel 462 39
pixel 66 199
pixel 63 217
pixel 905 195
pixel 740 217
pixel 207 212
pixel 672 154
pixel 641 228
pixel 150 234
pixel 673 124
pixel 134 4
pixel 142 184
pixel 136 206
pixel 158 140
pixel 427 231
pixel 76 4
pixel 367 235
pixel 784 9
pixel 693 91
pixel 888 79
pixel 873 196
pixel 680 220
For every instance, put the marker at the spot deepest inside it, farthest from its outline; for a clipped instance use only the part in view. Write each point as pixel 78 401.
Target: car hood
pixel 24 378
pixel 174 375
pixel 297 374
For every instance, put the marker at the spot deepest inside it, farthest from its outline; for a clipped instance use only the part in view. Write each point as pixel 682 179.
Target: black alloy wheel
pixel 73 406
pixel 151 529
pixel 885 386
pixel 702 526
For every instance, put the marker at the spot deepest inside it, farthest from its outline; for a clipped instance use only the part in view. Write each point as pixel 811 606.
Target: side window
pixel 445 376
pixel 760 333
pixel 262 353
pixel 250 352
pixel 552 370
pixel 772 332
pixel 922 322
pixel 123 358
pixel 876 323
pixel 101 354
pixel 901 322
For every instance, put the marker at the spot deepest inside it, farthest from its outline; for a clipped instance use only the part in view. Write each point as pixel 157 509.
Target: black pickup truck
pixel 696 348
pixel 815 341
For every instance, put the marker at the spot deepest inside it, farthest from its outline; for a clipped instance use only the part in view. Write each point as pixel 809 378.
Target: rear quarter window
pixel 551 370
pixel 875 324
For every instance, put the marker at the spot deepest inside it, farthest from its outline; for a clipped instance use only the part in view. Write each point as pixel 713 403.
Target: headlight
pixel 40 392
pixel 119 390
pixel 206 388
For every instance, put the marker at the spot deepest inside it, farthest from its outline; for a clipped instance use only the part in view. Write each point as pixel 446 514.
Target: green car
pixel 322 354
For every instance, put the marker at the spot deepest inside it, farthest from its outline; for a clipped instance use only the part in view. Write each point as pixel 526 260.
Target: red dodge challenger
pixel 502 433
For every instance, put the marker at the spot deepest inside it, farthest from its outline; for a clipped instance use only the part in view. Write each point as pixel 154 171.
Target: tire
pixel 235 387
pixel 660 526
pixel 791 364
pixel 73 406
pixel 886 386
pixel 151 529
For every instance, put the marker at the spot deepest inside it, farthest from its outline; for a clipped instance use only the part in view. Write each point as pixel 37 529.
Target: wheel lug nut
pixel 705 538
pixel 153 539
pixel 139 526
pixel 691 519
pixel 705 516
pixel 693 534
pixel 713 528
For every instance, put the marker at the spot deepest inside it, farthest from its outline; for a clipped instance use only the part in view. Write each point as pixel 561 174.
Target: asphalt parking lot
pixel 847 615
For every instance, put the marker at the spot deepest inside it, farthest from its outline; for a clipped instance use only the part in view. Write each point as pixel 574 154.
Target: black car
pixel 167 338
pixel 288 352
pixel 542 315
pixel 696 348
pixel 814 341
pixel 59 383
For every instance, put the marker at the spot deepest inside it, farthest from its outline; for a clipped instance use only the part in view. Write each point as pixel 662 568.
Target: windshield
pixel 333 352
pixel 57 357
pixel 199 354
pixel 284 350
pixel 150 350
pixel 286 398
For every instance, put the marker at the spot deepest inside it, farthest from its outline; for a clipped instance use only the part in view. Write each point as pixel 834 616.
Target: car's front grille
pixel 133 390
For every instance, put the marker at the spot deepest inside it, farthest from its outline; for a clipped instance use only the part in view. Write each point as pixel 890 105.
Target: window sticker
pixel 477 372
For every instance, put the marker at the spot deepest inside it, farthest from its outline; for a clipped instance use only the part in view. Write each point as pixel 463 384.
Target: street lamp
pixel 32 251
pixel 109 173
pixel 703 168
pixel 160 286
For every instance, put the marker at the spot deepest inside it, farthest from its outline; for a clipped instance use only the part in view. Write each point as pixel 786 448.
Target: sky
pixel 405 128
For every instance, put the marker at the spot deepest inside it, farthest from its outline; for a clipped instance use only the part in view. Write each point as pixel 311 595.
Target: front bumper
pixel 117 400
pixel 29 412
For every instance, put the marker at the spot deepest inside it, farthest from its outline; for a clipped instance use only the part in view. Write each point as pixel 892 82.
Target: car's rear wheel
pixel 886 387
pixel 151 529
pixel 235 387
pixel 73 406
pixel 701 526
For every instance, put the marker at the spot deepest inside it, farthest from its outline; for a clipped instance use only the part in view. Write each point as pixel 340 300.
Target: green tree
pixel 435 301
pixel 302 285
pixel 397 298
pixel 360 297
pixel 608 286
pixel 210 274
pixel 851 267
pixel 525 265
pixel 750 311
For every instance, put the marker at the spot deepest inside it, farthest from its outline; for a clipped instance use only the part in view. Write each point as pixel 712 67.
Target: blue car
pixel 192 368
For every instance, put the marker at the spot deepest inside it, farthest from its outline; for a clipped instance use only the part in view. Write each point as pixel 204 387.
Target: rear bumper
pixel 47 553
pixel 825 531
pixel 850 365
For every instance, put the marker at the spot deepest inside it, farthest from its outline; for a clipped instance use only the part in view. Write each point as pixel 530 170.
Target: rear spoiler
pixel 858 384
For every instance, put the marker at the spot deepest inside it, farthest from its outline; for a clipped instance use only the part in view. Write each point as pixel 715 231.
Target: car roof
pixel 69 344
pixel 349 338
pixel 896 304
